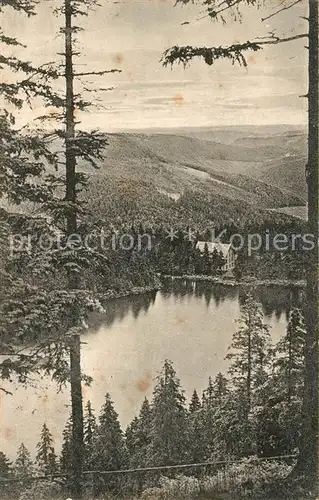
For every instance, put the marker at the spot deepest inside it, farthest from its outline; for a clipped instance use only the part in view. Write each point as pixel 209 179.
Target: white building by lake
pixel 226 249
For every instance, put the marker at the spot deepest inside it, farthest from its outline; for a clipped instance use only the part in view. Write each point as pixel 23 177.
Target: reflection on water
pixel 201 289
pixel 275 300
pixel 118 309
pixel 187 322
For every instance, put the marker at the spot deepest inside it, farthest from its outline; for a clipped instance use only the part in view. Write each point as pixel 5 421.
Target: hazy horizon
pixel 132 36
pixel 272 128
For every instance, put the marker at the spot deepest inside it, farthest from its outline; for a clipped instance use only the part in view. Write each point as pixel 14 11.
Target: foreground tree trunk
pixel 77 416
pixel 70 196
pixel 249 363
pixel 308 458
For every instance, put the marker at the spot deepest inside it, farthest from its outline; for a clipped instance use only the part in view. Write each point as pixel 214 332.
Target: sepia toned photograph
pixel 159 250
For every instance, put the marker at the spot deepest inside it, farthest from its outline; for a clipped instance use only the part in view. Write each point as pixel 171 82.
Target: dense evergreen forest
pixel 163 251
pixel 178 254
pixel 251 412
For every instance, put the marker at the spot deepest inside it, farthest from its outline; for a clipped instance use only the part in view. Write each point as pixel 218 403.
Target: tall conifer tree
pixel 138 436
pixel 109 452
pixel 169 436
pixel 290 364
pixel 196 430
pixel 194 404
pixel 23 466
pixel 5 465
pixel 90 434
pixel 62 312
pixel 46 459
pixel 249 350
pixel 66 460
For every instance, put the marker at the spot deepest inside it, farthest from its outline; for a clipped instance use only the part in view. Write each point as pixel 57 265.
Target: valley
pixel 156 175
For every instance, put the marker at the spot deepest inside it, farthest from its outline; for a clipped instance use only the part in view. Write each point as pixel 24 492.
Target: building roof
pixel 220 247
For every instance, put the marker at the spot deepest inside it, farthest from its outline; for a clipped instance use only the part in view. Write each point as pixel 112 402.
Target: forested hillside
pixel 156 178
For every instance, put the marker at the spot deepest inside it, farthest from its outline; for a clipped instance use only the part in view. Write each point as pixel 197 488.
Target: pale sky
pixel 132 34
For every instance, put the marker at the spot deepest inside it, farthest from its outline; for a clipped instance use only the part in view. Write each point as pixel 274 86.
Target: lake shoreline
pixel 140 290
pixel 233 282
pixel 125 345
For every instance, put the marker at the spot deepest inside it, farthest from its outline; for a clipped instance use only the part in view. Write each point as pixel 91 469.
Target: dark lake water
pixel 189 323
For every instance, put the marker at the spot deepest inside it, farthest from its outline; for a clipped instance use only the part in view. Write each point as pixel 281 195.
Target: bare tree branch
pixel 98 73
pixel 8 393
pixel 287 7
pixel 275 39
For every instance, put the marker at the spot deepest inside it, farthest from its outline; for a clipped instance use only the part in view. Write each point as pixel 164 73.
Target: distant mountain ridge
pixel 152 173
pixel 272 160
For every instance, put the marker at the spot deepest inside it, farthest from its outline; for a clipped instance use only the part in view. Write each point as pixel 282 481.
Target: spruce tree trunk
pixel 70 158
pixel 249 362
pixel 70 196
pixel 308 458
pixel 290 363
pixel 77 416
